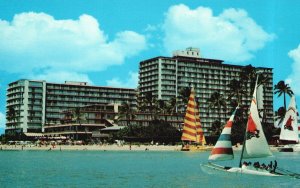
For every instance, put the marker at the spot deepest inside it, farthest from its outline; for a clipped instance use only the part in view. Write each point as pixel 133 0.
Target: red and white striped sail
pixel 223 148
pixel 289 129
pixel 192 130
pixel 256 144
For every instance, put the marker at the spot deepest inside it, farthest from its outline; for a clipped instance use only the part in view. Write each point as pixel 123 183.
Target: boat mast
pixel 245 135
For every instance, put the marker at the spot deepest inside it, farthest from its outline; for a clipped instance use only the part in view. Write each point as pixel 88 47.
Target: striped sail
pixel 223 148
pixel 256 144
pixel 289 129
pixel 192 130
pixel 199 131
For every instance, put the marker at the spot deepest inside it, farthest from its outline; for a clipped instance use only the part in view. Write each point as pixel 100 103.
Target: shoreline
pixel 104 147
pixel 113 147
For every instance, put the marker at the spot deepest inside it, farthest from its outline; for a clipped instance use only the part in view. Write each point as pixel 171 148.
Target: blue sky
pixel 102 42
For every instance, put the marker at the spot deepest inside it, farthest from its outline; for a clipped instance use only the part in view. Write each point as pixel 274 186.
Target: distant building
pixel 32 105
pixel 164 77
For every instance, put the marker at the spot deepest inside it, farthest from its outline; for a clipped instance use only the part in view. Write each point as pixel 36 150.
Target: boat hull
pixel 254 171
pixel 286 149
pixel 212 168
pixel 290 148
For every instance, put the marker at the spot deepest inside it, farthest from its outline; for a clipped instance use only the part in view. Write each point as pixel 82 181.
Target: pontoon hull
pixel 286 149
pixel 290 148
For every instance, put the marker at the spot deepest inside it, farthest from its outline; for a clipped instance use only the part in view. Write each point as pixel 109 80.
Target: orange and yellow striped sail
pixel 199 130
pixel 192 130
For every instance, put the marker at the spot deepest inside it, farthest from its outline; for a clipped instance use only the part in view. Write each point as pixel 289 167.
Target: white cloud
pixel 37 42
pixel 151 28
pixel 131 82
pixel 294 78
pixel 231 36
pixel 2 120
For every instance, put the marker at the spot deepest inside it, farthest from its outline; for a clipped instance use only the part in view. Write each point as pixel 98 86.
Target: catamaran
pixel 290 128
pixel 192 134
pixel 255 146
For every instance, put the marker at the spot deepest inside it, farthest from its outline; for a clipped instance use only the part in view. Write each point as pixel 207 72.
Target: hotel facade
pixel 164 77
pixel 40 106
pixel 32 105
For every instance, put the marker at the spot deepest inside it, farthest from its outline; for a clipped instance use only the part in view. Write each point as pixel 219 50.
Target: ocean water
pixel 128 169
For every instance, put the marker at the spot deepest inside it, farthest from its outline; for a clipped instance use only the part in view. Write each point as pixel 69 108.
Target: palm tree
pixel 217 101
pixel 279 115
pixel 282 88
pixel 78 117
pixel 140 102
pixel 262 79
pixel 171 105
pixel 216 128
pixel 149 102
pixel 248 75
pixel 236 90
pixel 183 97
pixel 162 108
pixel 128 113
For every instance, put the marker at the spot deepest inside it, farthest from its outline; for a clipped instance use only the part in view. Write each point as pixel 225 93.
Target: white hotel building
pixel 166 76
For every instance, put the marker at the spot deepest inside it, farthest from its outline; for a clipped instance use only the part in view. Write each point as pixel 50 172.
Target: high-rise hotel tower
pixel 164 77
pixel 31 105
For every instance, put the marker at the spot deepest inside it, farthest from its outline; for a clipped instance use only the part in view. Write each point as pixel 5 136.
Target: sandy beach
pixel 104 147
pixel 112 147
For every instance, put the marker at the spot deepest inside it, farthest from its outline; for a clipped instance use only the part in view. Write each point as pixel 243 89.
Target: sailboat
pixel 255 146
pixel 192 134
pixel 290 128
